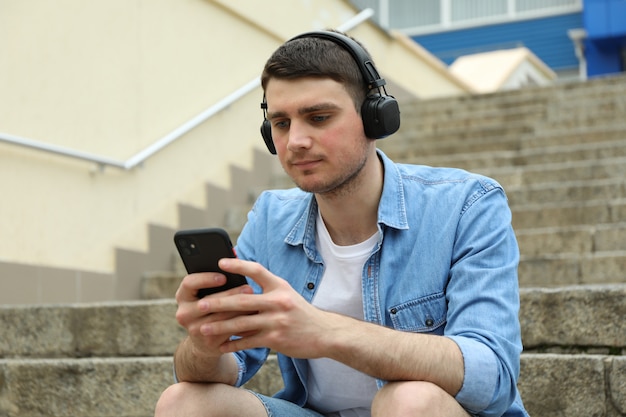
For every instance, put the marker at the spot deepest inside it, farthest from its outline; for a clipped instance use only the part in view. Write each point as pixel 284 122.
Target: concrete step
pixel 590 91
pixel 581 254
pixel 573 385
pixel 90 387
pixel 573 191
pixel 149 328
pixel 131 328
pixel 580 239
pixel 45 371
pixel 414 147
pixel 533 154
pixel 578 254
pixel 567 213
pixel 541 117
pixel 547 137
pixel 574 319
pixel 480 108
pixel 453 149
pixel 550 384
pixel 522 171
pixel 552 270
pixel 558 172
pixel 455 118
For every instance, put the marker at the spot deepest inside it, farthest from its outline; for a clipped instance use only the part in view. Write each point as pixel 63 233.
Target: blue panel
pixel 605 21
pixel 605 18
pixel 546 37
pixel 595 16
pixel 603 58
pixel 617 17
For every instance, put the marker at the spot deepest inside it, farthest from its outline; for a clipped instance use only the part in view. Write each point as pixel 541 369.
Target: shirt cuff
pixel 480 377
pixel 241 369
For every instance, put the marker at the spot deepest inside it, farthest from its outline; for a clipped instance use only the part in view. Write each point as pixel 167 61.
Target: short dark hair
pixel 316 57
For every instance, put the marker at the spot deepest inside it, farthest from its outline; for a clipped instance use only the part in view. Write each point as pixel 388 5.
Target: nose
pixel 299 136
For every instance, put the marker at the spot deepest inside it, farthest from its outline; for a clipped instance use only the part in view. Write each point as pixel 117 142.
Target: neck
pixel 352 217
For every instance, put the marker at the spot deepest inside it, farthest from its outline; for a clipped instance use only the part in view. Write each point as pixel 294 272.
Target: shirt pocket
pixel 424 315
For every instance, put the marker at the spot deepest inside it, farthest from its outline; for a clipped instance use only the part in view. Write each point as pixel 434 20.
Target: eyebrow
pixel 305 110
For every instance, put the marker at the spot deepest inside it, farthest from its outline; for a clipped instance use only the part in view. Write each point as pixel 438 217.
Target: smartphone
pixel 201 249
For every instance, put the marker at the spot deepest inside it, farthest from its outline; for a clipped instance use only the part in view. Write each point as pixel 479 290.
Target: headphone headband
pixel 360 56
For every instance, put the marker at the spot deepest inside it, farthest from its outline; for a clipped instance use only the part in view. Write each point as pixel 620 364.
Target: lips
pixel 305 164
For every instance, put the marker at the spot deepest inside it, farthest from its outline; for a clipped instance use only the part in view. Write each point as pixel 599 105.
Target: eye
pixel 281 124
pixel 320 118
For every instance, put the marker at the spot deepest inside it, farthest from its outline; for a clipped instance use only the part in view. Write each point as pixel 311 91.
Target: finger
pixel 253 270
pixel 191 309
pixel 206 306
pixel 190 284
pixel 246 341
pixel 240 324
pixel 221 324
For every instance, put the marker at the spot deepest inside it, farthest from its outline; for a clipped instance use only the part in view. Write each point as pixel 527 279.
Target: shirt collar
pixel 391 208
pixel 392 205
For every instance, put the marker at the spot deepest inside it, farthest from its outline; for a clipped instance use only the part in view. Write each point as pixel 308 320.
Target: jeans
pixel 276 407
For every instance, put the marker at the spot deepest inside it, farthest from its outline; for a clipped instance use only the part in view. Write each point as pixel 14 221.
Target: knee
pixel 171 399
pixel 409 399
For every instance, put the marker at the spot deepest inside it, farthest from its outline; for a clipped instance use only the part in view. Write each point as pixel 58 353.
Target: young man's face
pixel 317 132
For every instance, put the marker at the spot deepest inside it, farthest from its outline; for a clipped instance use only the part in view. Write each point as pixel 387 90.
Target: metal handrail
pixel 166 140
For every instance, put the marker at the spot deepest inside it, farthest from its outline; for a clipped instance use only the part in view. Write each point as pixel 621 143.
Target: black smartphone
pixel 201 249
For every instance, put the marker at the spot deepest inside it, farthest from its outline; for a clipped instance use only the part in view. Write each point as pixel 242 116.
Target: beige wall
pixel 110 78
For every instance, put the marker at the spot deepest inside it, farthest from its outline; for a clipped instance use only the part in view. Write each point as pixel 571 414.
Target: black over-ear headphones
pixel 380 112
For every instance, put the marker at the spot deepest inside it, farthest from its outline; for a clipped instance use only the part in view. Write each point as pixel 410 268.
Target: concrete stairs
pixel 113 359
pixel 560 153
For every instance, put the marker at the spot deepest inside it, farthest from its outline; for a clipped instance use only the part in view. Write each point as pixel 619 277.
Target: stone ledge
pixel 567 317
pixel 551 385
pixel 573 385
pixel 126 387
pixel 586 316
pixel 132 328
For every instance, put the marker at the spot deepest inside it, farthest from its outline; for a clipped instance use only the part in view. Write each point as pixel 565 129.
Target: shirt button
pixel 430 322
pixel 310 285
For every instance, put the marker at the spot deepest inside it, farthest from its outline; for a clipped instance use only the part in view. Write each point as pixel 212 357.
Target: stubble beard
pixel 343 184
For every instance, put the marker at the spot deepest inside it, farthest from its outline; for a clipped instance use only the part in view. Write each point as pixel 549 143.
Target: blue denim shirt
pixel 445 264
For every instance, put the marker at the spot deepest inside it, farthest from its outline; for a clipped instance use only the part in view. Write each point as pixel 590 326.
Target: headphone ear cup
pixel 266 133
pixel 381 116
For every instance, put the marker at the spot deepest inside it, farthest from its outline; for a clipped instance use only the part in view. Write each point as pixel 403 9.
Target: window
pixel 533 5
pixel 423 16
pixel 409 13
pixel 477 9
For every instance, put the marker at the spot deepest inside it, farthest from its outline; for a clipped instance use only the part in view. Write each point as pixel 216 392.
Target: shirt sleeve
pixel 483 302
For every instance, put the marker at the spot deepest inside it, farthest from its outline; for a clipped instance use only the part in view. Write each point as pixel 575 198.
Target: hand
pixel 193 313
pixel 279 318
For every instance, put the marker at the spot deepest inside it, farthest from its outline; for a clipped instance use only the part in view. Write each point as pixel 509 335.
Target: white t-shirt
pixel 334 388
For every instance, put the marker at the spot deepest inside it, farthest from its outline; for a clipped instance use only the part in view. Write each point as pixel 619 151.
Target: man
pixel 386 289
